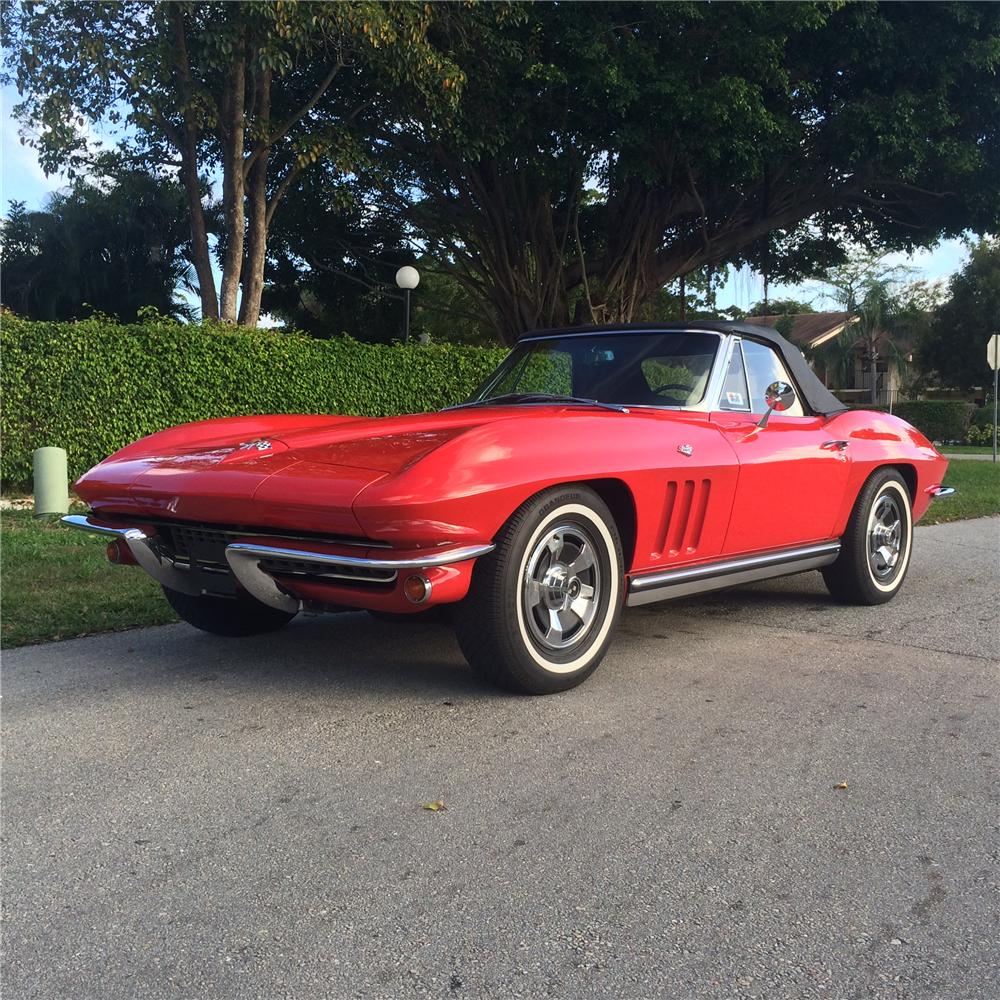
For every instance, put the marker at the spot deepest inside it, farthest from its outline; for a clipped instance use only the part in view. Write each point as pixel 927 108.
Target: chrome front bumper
pixel 255 565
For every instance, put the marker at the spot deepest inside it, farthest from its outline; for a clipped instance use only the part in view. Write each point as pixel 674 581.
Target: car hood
pixel 382 478
pixel 210 470
pixel 383 444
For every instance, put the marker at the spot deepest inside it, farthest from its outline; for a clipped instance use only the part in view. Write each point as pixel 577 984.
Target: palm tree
pixel 868 292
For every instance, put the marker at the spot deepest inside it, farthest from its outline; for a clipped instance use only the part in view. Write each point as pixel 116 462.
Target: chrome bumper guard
pixel 940 492
pixel 254 564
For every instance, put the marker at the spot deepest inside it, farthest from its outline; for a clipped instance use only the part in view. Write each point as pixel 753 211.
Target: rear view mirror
pixel 779 396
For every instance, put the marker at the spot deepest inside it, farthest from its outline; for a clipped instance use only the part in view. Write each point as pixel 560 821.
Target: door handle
pixel 834 445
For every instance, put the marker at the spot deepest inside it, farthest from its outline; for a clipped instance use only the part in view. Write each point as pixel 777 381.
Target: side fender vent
pixel 684 510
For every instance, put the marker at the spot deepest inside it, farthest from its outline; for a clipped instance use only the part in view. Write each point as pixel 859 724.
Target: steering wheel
pixel 686 389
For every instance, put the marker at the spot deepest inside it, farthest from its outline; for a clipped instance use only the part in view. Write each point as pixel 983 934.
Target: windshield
pixel 631 369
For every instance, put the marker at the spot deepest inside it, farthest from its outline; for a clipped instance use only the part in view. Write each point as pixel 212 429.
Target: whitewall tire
pixel 543 605
pixel 876 547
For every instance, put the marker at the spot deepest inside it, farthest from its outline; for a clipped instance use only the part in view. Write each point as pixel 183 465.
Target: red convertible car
pixel 595 468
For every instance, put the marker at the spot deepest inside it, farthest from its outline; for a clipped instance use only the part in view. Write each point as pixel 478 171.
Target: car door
pixel 792 472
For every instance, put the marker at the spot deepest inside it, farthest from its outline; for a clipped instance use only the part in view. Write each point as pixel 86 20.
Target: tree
pixel 332 264
pixel 252 92
pixel 114 249
pixel 780 307
pixel 880 310
pixel 603 150
pixel 954 349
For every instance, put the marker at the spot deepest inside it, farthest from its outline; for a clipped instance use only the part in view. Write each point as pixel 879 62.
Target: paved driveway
pixel 194 817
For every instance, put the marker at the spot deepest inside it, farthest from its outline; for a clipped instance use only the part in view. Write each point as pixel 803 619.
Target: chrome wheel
pixel 561 588
pixel 885 537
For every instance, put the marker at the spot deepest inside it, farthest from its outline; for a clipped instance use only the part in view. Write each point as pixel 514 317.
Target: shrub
pixel 981 434
pixel 983 417
pixel 91 387
pixel 937 419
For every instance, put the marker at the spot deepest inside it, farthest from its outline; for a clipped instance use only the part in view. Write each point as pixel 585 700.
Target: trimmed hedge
pixel 983 417
pixel 937 419
pixel 91 387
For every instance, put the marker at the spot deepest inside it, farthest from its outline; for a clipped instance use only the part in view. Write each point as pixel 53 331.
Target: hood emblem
pixel 685 449
pixel 260 444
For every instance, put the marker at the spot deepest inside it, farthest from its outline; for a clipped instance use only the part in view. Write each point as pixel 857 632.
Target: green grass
pixel 965 449
pixel 57 584
pixel 978 486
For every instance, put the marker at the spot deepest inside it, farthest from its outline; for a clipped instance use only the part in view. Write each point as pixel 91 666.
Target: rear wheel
pixel 543 604
pixel 227 616
pixel 875 549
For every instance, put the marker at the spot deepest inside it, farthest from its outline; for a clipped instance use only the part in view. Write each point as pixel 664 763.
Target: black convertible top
pixel 815 395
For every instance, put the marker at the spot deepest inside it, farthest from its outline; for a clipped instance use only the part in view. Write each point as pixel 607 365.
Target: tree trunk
pixel 232 127
pixel 256 247
pixel 187 146
pixel 200 255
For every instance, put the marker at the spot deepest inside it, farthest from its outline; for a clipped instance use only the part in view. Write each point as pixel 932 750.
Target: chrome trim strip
pixel 146 552
pixel 245 561
pixel 85 524
pixel 667 584
pixel 257 583
pixel 443 557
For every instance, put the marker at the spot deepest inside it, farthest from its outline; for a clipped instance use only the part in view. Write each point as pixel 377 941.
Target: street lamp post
pixel 407 278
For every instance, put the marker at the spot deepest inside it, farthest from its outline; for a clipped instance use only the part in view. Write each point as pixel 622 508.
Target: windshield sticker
pixel 734 398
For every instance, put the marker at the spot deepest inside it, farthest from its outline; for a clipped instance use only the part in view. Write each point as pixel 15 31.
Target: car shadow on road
pixel 791 593
pixel 355 652
pixel 343 653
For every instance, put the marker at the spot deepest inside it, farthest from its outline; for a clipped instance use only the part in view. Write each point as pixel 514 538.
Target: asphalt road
pixel 190 817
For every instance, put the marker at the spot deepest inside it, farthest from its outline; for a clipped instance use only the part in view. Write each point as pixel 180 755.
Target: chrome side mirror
pixel 779 396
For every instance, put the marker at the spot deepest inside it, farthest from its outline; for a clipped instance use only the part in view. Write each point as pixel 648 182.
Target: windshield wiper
pixel 540 397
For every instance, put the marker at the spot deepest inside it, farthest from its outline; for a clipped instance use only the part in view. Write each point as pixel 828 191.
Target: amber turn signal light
pixel 120 554
pixel 417 588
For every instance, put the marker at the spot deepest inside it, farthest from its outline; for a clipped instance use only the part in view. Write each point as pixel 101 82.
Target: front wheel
pixel 227 616
pixel 543 604
pixel 875 550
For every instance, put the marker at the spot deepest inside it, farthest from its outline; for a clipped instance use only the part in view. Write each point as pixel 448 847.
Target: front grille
pixel 196 545
pixel 356 574
pixel 202 550
pixel 200 531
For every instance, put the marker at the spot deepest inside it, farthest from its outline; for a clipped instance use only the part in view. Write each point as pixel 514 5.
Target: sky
pixel 22 179
pixel 745 288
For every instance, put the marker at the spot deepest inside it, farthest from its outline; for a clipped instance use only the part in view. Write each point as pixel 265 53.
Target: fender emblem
pixel 260 444
pixel 685 449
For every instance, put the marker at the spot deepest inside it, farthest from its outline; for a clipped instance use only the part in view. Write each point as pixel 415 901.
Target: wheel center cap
pixel 886 535
pixel 560 587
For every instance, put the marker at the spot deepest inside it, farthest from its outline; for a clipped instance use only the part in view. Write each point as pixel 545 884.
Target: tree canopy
pixel 561 162
pixel 954 349
pixel 603 149
pixel 113 248
pixel 253 93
